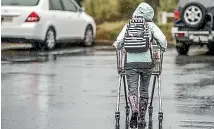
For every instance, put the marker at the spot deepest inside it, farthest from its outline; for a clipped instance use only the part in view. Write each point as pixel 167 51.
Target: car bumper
pixel 24 32
pixel 192 37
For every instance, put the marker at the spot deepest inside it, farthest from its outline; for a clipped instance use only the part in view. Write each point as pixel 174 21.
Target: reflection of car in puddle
pixel 26 57
pixel 194 59
pixel 29 56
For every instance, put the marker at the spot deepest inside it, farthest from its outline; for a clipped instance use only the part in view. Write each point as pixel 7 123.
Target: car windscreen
pixel 20 2
pixel 206 3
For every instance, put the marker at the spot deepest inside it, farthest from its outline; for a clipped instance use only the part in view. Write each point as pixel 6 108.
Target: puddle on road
pixel 192 91
pixel 31 56
pixel 194 88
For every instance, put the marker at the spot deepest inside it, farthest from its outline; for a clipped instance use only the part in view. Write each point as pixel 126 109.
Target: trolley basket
pixel 157 58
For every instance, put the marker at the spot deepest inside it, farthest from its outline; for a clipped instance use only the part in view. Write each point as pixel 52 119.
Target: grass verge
pixel 109 31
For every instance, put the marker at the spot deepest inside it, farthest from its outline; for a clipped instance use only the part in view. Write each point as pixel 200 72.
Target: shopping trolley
pixel 157 70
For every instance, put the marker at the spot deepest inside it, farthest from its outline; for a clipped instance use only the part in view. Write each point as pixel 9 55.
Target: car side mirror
pixel 81 9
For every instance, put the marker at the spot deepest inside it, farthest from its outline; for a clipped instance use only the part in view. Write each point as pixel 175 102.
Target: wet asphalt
pixel 76 88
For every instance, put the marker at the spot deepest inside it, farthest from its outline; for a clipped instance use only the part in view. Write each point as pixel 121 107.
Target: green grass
pixel 112 25
pixel 110 30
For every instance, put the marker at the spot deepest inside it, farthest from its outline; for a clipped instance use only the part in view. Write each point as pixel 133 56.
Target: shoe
pixel 133 121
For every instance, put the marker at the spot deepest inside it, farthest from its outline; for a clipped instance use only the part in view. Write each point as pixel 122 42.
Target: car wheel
pixel 211 48
pixel 193 15
pixel 50 39
pixel 182 49
pixel 89 39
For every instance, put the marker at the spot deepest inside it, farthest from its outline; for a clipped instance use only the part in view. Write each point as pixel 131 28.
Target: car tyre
pixel 190 12
pixel 89 38
pixel 50 39
pixel 182 49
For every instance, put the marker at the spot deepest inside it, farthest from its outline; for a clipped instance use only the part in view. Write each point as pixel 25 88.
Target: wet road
pixel 76 89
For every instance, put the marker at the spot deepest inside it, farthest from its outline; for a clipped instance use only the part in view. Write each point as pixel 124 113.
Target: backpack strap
pixel 127 27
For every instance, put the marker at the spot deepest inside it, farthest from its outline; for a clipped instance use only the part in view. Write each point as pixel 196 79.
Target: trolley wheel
pixel 160 125
pixel 117 125
pixel 127 122
pixel 117 118
pixel 150 125
pixel 150 110
pixel 160 119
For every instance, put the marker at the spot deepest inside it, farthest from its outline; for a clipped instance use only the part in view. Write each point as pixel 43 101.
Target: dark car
pixel 193 25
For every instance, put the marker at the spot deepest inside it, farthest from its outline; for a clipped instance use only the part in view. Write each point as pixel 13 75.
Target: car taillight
pixel 180 34
pixel 177 15
pixel 33 17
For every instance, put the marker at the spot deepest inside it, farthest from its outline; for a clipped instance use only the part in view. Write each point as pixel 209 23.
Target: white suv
pixel 46 22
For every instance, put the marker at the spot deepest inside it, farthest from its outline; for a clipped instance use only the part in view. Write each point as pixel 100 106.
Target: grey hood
pixel 144 10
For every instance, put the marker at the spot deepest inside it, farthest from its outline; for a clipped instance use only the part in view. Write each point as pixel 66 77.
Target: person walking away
pixel 136 38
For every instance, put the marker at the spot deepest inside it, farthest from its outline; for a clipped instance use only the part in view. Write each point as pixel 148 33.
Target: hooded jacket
pixel 146 11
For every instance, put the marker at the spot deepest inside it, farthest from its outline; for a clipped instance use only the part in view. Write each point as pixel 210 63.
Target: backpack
pixel 136 39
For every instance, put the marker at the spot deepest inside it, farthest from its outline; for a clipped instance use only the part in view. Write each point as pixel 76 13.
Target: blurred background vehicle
pixel 194 25
pixel 46 22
